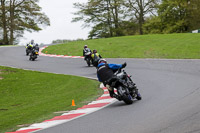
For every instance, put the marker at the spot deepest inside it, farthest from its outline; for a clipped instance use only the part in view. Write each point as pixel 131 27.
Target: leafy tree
pixel 104 16
pixel 140 8
pixel 175 16
pixel 19 16
pixel 153 25
pixel 193 14
pixel 25 15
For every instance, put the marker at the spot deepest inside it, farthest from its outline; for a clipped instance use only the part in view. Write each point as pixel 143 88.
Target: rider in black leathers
pixel 35 47
pixel 86 50
pixel 105 72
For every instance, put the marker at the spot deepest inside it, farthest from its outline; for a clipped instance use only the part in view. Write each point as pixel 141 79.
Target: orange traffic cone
pixel 73 103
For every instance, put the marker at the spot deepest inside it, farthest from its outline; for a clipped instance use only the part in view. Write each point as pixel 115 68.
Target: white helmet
pixel 85 46
pixel 102 61
pixel 32 41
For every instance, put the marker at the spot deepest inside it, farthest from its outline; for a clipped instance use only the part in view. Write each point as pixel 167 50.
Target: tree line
pixel 109 18
pixel 17 16
pixel 62 41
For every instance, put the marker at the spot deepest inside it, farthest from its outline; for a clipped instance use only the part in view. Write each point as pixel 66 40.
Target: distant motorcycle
pixel 126 89
pixel 95 63
pixel 88 58
pixel 28 50
pixel 34 54
pixel 95 60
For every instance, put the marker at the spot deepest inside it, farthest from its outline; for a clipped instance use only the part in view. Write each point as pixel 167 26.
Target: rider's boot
pixel 117 97
pixel 113 95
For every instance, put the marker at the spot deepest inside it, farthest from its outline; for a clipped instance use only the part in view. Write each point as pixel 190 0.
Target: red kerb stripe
pixel 65 117
pixel 25 131
pixel 106 97
pixel 94 105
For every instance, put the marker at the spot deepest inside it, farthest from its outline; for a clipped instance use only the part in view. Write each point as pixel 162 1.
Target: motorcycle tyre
pixel 88 62
pixel 126 99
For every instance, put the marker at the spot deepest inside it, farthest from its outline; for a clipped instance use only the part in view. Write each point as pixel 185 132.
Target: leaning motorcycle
pixel 88 58
pixel 95 62
pixel 34 54
pixel 126 89
pixel 28 50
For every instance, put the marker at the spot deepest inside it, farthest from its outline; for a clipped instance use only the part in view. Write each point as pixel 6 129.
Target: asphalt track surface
pixel 170 90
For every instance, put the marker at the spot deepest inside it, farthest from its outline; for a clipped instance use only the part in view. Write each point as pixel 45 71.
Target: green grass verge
pixel 179 46
pixel 27 96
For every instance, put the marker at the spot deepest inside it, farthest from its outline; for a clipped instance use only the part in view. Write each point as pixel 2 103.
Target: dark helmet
pixel 94 51
pixel 85 46
pixel 102 61
pixel 36 44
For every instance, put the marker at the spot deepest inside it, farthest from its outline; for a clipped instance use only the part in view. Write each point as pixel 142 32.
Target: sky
pixel 60 14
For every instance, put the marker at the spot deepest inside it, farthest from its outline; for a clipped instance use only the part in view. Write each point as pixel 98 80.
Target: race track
pixel 170 90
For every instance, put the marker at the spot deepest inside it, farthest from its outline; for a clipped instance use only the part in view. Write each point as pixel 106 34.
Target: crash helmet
pixel 85 46
pixel 32 41
pixel 102 61
pixel 36 44
pixel 94 51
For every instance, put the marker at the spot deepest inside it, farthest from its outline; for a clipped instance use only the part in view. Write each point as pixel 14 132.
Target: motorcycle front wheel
pixel 88 62
pixel 127 98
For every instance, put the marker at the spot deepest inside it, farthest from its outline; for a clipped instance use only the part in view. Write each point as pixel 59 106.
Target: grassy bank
pixel 28 97
pixel 179 46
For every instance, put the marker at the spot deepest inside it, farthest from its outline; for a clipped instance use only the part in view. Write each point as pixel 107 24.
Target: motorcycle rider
pixel 86 50
pixel 105 72
pixel 36 47
pixel 95 57
pixel 30 45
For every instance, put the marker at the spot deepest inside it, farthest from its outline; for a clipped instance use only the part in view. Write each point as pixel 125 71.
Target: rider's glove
pixel 124 65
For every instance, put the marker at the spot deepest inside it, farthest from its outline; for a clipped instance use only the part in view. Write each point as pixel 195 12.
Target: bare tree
pixel 3 19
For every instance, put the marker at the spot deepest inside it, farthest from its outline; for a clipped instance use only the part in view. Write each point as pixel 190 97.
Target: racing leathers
pixel 86 50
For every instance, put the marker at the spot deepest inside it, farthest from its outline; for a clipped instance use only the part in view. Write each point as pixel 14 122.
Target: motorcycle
pixel 34 54
pixel 95 63
pixel 28 50
pixel 88 58
pixel 126 88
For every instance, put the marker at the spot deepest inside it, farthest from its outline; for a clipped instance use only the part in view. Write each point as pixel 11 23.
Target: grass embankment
pixel 179 46
pixel 27 97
